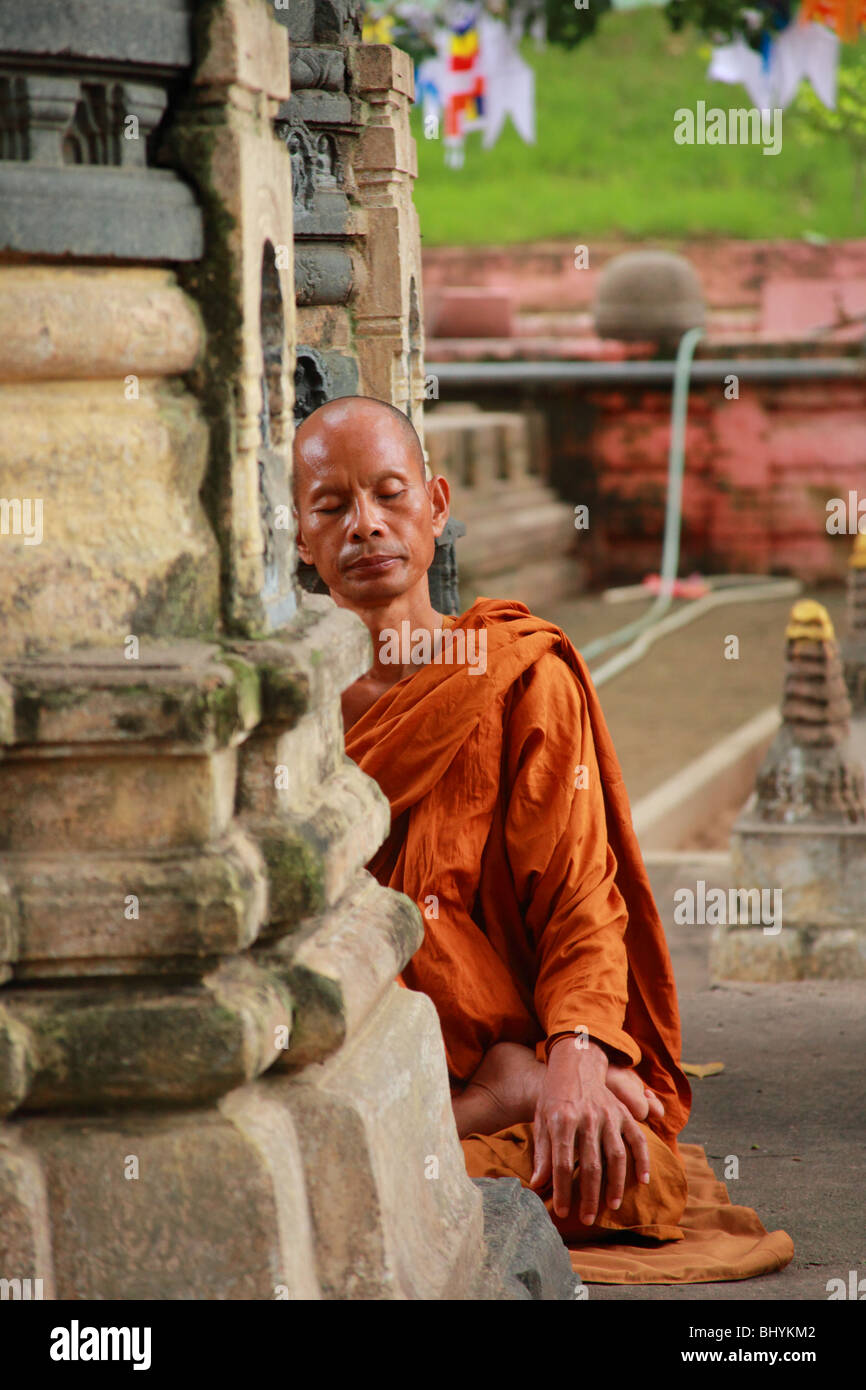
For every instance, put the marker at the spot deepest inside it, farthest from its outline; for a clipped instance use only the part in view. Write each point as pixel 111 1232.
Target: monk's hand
pixel 576 1108
pixel 627 1086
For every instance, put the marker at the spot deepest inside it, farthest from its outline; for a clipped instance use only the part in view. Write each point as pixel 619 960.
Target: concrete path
pixel 685 695
pixel 791 1102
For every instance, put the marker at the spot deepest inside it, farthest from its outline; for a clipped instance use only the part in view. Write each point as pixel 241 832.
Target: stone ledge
pixel 245 47
pixel 67 323
pixel 208 1213
pixel 380 67
pixel 820 870
pixel 151 215
pixel 184 695
pixel 191 907
pixel 393 1212
pixel 325 649
pixel 340 965
pixel 95 1046
pixel 153 34
pixel 313 853
pixel 25 1241
pixel 797 953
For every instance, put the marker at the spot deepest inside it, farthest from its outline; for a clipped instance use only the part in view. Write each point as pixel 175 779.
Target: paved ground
pixel 685 695
pixel 790 1102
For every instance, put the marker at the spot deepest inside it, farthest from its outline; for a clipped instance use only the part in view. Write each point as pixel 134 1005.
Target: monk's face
pixel 367 518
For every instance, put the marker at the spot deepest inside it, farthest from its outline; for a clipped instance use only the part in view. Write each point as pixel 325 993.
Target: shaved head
pixel 367 514
pixel 324 425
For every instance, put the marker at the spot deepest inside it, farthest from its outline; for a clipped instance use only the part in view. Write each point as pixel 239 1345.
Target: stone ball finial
pixel 648 296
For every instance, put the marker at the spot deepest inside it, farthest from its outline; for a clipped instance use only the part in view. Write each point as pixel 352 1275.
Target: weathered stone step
pixel 496 542
pixel 539 585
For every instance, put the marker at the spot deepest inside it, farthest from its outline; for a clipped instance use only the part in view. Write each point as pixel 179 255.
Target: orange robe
pixel 511 830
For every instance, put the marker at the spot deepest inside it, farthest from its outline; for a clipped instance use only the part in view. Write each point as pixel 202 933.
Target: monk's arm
pixel 564 873
pixel 563 867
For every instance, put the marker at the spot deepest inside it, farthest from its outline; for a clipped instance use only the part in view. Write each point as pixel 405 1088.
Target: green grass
pixel 605 162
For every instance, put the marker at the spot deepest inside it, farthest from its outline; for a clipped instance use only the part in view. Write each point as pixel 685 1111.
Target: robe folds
pixel 511 830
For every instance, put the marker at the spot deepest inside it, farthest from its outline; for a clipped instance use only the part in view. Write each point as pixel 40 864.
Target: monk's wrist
pixel 581 1043
pixel 587 1059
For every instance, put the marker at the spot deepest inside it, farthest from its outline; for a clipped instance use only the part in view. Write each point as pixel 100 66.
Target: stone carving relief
pixel 14 142
pixel 314 68
pixel 325 162
pixel 52 120
pixel 312 384
pixel 338 21
pixel 314 162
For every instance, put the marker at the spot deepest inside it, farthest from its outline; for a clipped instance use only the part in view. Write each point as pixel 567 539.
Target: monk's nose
pixel 365 520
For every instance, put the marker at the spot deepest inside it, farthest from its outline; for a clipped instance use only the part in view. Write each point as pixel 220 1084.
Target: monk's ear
pixel 440 502
pixel 303 549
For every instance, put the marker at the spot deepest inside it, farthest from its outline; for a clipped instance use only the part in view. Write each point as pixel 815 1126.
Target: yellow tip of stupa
pixel 810 621
pixel 858 554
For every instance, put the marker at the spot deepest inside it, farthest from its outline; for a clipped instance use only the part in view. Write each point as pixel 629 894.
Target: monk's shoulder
pixel 549 693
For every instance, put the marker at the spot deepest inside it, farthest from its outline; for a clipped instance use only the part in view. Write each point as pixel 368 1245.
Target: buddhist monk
pixel 543 951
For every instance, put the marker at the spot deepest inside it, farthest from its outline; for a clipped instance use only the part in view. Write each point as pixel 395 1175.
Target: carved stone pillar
pixel 357 241
pixel 210 1085
pixel 389 305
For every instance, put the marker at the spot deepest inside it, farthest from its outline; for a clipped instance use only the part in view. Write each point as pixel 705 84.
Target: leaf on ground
pixel 702 1069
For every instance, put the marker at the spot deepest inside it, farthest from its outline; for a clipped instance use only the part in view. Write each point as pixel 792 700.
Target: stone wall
pixel 758 475
pixel 760 466
pixel 778 289
pixel 211 1086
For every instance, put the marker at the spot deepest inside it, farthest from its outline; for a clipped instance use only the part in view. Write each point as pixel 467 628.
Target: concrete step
pixel 493 543
pixel 540 584
pixel 504 495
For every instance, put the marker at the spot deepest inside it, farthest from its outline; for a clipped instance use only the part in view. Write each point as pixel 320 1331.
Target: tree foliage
pixel 725 20
pixel 815 122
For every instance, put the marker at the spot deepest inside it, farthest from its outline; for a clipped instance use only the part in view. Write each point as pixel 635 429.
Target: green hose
pixel 673 510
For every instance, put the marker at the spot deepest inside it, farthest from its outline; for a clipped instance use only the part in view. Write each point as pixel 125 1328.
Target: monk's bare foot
pixel 628 1087
pixel 503 1091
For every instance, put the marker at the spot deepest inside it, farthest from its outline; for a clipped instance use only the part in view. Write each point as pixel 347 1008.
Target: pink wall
pixel 759 471
pixel 747 284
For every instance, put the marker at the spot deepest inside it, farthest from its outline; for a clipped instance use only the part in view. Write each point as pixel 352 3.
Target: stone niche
pixel 210 1085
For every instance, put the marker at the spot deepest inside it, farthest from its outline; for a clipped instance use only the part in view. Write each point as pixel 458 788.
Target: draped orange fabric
pixel 512 832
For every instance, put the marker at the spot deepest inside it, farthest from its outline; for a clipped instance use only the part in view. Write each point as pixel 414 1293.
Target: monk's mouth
pixel 374 564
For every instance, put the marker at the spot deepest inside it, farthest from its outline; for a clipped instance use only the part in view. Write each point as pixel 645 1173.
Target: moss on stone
pixel 248 686
pixel 215 283
pixel 285 694
pixel 173 604
pixel 297 878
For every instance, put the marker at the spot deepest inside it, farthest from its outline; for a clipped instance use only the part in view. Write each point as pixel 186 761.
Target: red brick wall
pixel 759 470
